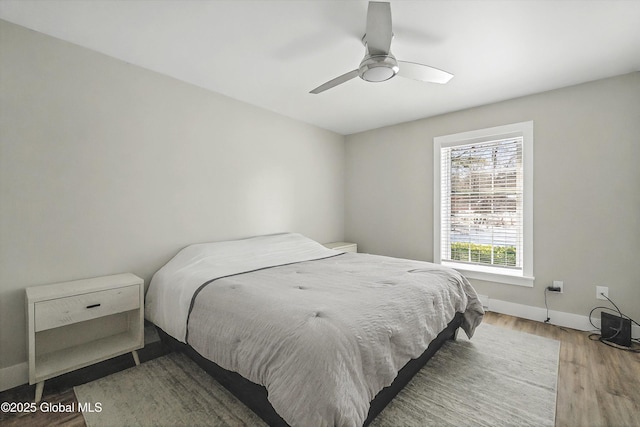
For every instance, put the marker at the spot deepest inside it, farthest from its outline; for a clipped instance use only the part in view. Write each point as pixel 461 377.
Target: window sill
pixel 491 276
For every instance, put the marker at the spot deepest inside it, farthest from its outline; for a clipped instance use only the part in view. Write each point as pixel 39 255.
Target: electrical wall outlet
pixel 558 284
pixel 602 290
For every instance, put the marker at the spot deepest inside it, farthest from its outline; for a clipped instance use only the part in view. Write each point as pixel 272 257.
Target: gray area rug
pixel 500 377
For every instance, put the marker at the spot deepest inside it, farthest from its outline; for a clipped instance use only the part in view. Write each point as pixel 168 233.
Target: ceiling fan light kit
pixel 379 64
pixel 378 68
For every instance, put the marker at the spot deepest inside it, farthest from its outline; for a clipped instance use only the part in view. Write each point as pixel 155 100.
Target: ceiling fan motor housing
pixel 378 68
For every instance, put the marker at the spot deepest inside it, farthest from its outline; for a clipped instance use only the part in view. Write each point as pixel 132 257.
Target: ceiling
pixel 272 53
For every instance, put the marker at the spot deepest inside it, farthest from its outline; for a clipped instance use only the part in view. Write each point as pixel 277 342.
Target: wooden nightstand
pixel 342 246
pixel 71 325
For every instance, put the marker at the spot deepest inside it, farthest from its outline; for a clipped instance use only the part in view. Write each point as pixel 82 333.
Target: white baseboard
pixel 558 318
pixel 13 376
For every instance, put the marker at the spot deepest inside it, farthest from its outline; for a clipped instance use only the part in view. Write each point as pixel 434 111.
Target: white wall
pixel 586 191
pixel 106 168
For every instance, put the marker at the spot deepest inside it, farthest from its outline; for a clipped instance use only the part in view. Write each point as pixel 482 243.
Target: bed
pixel 305 335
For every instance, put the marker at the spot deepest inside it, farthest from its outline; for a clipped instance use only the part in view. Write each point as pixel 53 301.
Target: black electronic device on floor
pixel 615 329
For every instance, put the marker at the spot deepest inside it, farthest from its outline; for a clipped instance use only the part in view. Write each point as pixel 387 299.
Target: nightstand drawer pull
pixel 93 306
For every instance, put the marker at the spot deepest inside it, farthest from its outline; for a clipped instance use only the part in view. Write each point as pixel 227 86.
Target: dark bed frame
pixel 254 396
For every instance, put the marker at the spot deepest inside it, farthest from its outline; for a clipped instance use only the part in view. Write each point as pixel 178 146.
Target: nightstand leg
pixel 135 357
pixel 39 390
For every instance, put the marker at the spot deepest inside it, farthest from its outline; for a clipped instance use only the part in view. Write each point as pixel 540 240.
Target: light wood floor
pixel 597 385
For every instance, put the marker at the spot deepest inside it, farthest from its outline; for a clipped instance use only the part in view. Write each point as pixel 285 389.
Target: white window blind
pixel 482 203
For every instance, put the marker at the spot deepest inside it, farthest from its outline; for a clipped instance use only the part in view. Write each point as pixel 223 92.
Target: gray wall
pixel 586 190
pixel 106 168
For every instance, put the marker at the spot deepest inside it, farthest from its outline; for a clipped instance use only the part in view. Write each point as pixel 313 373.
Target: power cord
pixel 548 319
pixel 604 340
pixel 545 304
pixel 551 289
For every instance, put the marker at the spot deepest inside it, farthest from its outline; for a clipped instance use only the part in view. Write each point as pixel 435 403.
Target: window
pixel 483 194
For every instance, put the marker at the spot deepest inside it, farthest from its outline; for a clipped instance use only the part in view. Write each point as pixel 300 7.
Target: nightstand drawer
pixel 78 308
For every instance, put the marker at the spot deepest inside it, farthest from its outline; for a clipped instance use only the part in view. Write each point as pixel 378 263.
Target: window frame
pixel 496 274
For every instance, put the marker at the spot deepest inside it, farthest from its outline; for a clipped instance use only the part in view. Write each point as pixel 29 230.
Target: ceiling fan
pixel 379 64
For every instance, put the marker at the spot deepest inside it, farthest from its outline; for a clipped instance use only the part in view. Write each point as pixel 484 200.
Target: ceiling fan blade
pixel 424 73
pixel 335 82
pixel 379 33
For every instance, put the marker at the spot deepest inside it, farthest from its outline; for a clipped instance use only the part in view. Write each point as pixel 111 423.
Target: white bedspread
pixel 324 336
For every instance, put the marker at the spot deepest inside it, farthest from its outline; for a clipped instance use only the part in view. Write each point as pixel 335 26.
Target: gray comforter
pixel 325 336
